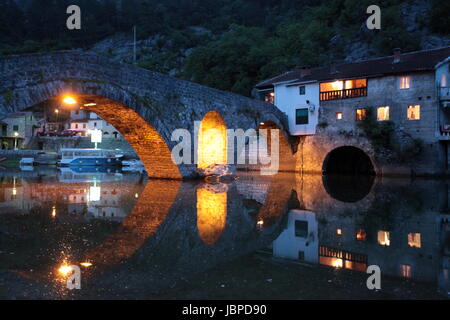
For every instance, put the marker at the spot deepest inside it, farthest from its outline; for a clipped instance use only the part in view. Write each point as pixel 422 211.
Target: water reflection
pixel 116 225
pixel 401 226
pixel 108 221
pixel 348 188
pixel 211 213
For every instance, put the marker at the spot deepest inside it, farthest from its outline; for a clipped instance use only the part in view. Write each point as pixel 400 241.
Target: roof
pixel 409 62
pixel 15 115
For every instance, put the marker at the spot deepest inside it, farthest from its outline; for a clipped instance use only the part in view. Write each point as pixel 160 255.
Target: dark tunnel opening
pixel 348 161
pixel 348 174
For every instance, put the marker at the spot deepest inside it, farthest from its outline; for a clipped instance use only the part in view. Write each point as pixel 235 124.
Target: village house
pixel 409 90
pixel 17 129
pixel 83 122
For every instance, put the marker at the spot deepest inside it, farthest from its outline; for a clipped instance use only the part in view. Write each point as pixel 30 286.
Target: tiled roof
pixel 409 62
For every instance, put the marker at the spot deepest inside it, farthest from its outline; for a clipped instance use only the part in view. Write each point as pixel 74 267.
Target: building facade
pixel 394 109
pixel 17 129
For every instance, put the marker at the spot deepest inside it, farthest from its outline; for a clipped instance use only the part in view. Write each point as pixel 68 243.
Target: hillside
pixel 226 44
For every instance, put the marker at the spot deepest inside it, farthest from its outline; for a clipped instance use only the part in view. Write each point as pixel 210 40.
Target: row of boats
pixel 89 157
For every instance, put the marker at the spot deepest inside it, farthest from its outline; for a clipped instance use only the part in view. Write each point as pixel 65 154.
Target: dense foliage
pixel 247 40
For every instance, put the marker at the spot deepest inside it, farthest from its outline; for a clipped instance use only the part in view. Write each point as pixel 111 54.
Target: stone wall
pixel 125 95
pixel 333 133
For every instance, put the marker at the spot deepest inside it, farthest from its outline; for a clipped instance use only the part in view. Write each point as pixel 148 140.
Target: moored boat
pixel 90 157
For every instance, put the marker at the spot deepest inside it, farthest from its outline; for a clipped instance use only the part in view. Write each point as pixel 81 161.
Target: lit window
pixel 414 112
pixel 361 114
pixel 339 115
pixel 406 271
pixel 301 116
pixel 383 113
pixel 414 240
pixel 361 235
pixel 443 81
pixel 384 238
pixel 405 82
pixel 302 90
pixel 339 232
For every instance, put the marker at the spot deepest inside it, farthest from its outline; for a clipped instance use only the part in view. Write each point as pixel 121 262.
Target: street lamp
pixel 69 100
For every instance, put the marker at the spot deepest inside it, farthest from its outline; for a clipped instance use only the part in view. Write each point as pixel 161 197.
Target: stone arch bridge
pixel 146 107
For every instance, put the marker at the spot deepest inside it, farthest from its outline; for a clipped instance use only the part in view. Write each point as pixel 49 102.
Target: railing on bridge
pixel 343 94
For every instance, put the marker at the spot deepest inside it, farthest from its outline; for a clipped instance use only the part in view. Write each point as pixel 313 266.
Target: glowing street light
pixel 69 100
pixel 16 135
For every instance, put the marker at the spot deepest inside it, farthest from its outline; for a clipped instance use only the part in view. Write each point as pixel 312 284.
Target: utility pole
pixel 134 45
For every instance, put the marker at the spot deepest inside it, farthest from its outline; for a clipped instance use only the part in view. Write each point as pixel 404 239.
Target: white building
pixel 295 94
pixel 84 121
pixel 299 241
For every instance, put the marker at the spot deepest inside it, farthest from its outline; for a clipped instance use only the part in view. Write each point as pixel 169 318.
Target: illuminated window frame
pixel 361 114
pixel 405 82
pixel 413 112
pixel 383 113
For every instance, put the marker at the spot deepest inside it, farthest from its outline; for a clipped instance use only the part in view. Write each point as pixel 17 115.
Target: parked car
pixel 67 133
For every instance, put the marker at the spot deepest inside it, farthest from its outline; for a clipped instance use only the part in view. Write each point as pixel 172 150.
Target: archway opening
pixel 212 141
pixel 349 161
pixel 348 174
pixel 93 112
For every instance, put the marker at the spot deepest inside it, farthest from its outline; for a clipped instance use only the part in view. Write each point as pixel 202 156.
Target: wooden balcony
pixel 343 94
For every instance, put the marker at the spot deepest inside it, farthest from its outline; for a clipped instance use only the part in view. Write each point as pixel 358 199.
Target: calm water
pixel 124 230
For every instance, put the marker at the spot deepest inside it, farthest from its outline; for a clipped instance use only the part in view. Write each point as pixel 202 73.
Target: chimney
pixel 397 54
pixel 305 71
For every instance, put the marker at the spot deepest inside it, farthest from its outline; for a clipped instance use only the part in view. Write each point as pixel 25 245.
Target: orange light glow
pixel 337 263
pixel 339 232
pixel 414 240
pixel 54 211
pixel 211 215
pixel 361 235
pixel 65 270
pixel 212 141
pixel 384 238
pixel 86 264
pixel 69 100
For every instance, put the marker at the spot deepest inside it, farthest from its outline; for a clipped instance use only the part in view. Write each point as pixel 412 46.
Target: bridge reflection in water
pixel 125 230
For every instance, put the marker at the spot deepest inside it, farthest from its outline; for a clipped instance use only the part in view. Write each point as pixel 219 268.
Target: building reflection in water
pixel 86 194
pixel 211 213
pixel 402 228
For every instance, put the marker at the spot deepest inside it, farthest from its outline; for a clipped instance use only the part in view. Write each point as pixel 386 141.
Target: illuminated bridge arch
pixel 146 107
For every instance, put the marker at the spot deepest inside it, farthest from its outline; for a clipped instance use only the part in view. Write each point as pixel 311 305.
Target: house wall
pixel 382 91
pixel 288 99
pixel 25 126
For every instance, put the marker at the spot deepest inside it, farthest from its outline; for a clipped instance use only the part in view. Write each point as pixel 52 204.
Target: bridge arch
pixel 348 160
pixel 163 102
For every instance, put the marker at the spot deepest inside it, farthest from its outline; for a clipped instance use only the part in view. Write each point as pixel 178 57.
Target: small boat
pixel 90 157
pixel 26 162
pixel 132 163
